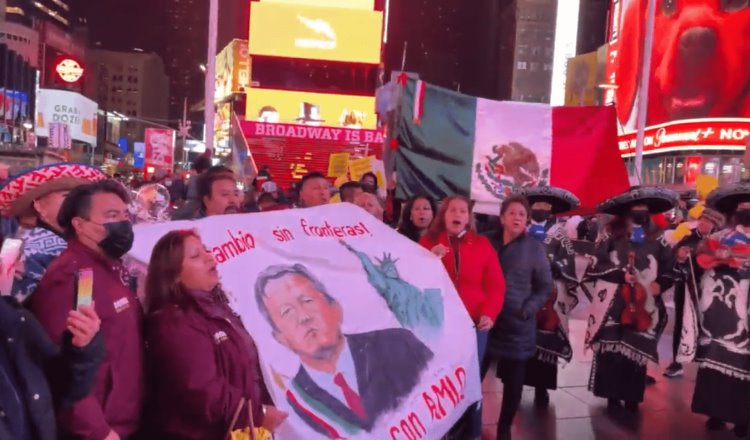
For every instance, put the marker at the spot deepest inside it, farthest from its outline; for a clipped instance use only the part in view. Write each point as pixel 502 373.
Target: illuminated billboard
pixel 584 74
pixel 316 109
pixel 315 33
pixel 351 4
pixel 232 69
pixel 700 66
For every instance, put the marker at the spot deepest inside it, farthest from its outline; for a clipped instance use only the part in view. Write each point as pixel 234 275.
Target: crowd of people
pixel 100 362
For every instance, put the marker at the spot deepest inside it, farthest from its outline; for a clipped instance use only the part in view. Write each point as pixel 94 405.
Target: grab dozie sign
pixel 698 134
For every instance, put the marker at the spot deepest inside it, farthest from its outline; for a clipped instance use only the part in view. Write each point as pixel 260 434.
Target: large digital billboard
pixel 232 69
pixel 315 109
pixel 351 4
pixel 72 109
pixel 700 65
pixel 316 33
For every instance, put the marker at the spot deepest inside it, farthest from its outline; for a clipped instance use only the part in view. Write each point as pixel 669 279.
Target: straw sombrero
pixel 726 198
pixel 561 200
pixel 19 193
pixel 658 200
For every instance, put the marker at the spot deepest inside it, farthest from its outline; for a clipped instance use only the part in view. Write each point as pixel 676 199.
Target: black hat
pixel 657 200
pixel 561 200
pixel 726 198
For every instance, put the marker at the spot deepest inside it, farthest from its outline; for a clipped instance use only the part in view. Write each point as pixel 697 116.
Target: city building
pixel 534 50
pixel 131 87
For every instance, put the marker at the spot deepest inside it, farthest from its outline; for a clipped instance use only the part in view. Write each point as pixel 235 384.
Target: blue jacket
pixel 30 352
pixel 528 284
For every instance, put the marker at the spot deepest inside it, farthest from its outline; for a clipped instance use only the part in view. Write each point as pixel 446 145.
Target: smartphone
pixel 85 293
pixel 10 253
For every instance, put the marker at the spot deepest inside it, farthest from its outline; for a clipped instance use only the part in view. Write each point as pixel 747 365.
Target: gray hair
pixel 279 271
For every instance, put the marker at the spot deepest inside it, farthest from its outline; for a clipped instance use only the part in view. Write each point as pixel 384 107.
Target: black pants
pixel 679 307
pixel 511 372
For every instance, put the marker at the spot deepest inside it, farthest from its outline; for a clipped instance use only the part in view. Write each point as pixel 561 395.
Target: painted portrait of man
pixel 351 378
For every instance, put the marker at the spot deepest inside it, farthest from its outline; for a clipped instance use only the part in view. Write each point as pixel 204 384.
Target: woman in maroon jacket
pixel 201 361
pixel 473 265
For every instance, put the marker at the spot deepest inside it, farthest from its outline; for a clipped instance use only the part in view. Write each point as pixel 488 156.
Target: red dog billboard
pixel 700 65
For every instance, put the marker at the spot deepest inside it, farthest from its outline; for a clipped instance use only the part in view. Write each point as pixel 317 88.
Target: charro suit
pixel 388 366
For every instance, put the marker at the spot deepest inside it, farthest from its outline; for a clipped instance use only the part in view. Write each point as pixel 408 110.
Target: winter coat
pixel 201 363
pixel 29 352
pixel 478 278
pixel 528 280
pixel 115 402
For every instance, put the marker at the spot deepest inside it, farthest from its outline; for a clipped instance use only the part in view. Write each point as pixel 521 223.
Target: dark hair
pixel 266 197
pixel 266 108
pixel 162 287
pixel 310 176
pixel 406 226
pixel 78 202
pixel 348 187
pixel 374 177
pixel 279 271
pixel 206 182
pixel 201 164
pixel 438 223
pixel 521 200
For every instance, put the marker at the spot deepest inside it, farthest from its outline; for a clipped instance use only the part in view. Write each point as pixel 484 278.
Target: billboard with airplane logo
pixel 315 33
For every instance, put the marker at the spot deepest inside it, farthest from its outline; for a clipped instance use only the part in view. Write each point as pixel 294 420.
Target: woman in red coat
pixel 201 361
pixel 473 266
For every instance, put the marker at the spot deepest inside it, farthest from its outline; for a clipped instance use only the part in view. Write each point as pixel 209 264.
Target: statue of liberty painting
pixel 414 309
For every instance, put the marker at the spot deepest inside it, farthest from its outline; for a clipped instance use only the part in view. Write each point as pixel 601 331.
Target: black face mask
pixel 743 217
pixel 640 218
pixel 540 215
pixel 119 239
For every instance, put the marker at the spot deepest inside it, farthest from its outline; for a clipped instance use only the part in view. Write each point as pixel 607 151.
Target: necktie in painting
pixel 352 398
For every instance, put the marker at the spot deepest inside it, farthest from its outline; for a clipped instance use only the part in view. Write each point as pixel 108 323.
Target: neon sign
pixel 69 70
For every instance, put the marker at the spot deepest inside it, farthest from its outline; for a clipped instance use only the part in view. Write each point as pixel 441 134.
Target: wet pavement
pixel 574 413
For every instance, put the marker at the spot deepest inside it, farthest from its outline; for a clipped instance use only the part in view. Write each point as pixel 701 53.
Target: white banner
pixel 512 148
pixel 408 353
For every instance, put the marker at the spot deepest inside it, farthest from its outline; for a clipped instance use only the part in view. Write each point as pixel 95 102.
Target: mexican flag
pixel 449 143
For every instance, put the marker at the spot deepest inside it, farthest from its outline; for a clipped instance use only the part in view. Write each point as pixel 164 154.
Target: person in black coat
pixel 27 404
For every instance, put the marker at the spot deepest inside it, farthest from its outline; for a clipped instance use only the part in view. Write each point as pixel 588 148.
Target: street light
pixel 203 68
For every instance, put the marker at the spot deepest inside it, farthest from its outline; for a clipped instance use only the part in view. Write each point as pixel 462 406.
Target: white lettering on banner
pixel 390 301
pixel 315 133
pixel 734 134
pixel 663 137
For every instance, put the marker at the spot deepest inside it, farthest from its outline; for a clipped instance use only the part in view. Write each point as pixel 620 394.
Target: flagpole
pixel 213 25
pixel 643 90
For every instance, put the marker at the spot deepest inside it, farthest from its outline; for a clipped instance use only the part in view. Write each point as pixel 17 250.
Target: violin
pixel 546 317
pixel 634 315
pixel 720 254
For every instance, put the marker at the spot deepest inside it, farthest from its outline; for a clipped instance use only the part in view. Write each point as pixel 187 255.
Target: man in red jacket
pixel 95 221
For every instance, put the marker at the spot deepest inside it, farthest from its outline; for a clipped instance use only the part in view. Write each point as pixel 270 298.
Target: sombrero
pixel 19 193
pixel 657 200
pixel 561 200
pixel 726 198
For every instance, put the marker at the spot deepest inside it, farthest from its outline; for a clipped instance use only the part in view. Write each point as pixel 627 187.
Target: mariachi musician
pixel 552 321
pixel 687 276
pixel 632 267
pixel 722 386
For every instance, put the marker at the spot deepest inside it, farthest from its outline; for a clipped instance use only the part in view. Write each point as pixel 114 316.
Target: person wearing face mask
pixel 94 219
pixel 722 385
pixel 687 275
pixel 552 322
pixel 475 270
pixel 191 375
pixel 632 267
pixel 541 220
pixel 38 194
pixel 512 342
pixel 416 217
